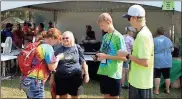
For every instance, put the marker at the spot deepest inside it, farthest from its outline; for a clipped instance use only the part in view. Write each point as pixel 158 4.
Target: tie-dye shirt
pixel 111 43
pixel 45 55
pixel 129 42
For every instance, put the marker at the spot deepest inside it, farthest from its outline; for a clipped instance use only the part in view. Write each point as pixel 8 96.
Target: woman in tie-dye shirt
pixel 33 84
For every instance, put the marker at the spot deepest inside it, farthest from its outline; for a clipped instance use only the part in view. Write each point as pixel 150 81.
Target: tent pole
pixel 172 29
pixel 55 16
pixel 29 12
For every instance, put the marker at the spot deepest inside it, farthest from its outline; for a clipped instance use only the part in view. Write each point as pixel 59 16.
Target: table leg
pixel 3 69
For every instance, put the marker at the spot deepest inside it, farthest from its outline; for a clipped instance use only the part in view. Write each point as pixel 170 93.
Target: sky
pixel 5 5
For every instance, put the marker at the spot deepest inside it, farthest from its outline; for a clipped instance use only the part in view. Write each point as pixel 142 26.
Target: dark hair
pixel 160 31
pixel 25 23
pixel 50 23
pixel 18 25
pixel 9 25
pixel 29 24
pixel 88 27
pixel 41 25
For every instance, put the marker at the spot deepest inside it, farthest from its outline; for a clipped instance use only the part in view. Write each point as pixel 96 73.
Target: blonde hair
pixel 104 17
pixel 70 34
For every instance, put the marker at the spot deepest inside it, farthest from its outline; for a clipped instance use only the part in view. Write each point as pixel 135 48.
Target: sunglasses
pixel 65 38
pixel 129 17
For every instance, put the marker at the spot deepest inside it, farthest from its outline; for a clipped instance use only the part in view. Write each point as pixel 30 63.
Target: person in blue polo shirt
pixel 7 32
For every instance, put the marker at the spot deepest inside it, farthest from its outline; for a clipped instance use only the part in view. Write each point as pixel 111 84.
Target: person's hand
pixel 86 78
pixel 101 56
pixel 60 56
pixel 122 53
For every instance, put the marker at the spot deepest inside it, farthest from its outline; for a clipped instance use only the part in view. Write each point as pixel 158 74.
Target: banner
pixel 168 5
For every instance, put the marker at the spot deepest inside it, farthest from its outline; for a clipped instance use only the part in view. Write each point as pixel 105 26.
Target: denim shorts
pixel 33 88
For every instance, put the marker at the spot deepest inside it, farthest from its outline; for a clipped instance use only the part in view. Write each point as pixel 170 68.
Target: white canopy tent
pixel 73 15
pixel 16 4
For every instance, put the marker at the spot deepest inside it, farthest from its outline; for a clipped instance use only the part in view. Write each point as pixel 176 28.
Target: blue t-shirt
pixel 6 33
pixel 71 64
pixel 162 52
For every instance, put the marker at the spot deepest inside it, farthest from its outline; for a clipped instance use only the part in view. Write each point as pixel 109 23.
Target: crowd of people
pixel 135 57
pixel 24 34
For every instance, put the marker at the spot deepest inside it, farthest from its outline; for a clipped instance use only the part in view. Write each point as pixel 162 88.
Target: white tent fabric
pixel 71 20
pixel 17 4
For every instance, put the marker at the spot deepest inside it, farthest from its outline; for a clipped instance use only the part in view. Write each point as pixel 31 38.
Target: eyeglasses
pixel 129 17
pixel 65 38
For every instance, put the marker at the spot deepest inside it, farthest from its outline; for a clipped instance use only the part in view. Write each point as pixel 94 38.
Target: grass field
pixel 10 89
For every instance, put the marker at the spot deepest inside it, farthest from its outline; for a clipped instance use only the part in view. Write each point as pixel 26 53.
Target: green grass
pixel 10 89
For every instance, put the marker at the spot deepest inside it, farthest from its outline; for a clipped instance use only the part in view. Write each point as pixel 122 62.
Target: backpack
pixel 26 57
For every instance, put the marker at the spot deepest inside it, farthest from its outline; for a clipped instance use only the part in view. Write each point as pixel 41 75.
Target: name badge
pixel 104 61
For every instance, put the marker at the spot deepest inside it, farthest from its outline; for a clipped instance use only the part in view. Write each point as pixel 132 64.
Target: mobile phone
pixel 94 57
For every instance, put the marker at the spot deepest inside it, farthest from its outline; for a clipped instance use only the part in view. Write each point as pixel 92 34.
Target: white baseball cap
pixel 135 10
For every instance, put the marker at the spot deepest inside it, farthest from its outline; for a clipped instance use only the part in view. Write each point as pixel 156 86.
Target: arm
pixel 82 60
pixel 143 62
pixel 85 68
pixel 144 52
pixel 85 71
pixel 115 57
pixel 53 66
pixel 50 58
pixel 83 64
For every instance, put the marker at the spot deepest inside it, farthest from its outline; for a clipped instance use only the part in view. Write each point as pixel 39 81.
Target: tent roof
pixel 41 3
pixel 13 20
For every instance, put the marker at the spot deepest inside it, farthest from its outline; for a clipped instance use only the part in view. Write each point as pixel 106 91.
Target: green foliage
pixel 13 13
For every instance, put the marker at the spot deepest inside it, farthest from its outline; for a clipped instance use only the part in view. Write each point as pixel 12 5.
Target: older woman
pixel 162 59
pixel 68 76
